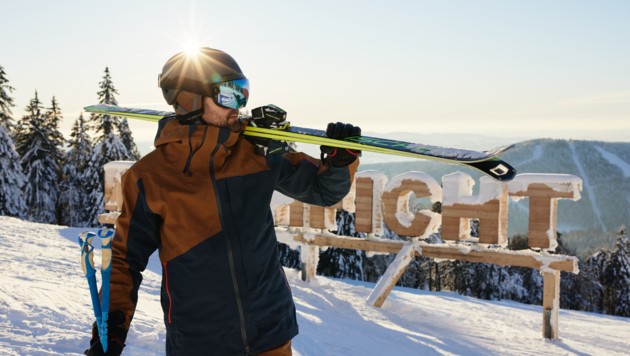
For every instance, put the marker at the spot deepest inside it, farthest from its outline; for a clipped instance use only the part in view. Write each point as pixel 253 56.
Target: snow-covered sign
pixel 377 202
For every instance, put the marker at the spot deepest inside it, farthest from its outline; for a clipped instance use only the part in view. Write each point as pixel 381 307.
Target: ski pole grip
pixel 87 252
pixel 106 236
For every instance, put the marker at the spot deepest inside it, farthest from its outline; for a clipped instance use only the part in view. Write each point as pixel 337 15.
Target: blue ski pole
pixel 106 236
pixel 87 263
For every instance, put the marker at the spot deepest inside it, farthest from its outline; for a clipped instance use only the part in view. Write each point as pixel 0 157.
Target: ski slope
pixel 45 310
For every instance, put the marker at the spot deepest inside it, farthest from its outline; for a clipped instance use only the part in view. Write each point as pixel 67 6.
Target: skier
pixel 202 198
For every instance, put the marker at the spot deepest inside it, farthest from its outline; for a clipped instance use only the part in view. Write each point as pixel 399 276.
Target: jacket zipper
pixel 168 293
pixel 239 302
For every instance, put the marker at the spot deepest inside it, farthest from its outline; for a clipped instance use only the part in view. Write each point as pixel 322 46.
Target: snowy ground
pixel 45 310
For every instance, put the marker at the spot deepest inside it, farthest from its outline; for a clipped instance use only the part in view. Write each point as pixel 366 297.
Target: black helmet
pixel 197 74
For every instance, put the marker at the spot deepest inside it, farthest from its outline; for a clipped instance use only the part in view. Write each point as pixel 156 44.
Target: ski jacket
pixel 202 198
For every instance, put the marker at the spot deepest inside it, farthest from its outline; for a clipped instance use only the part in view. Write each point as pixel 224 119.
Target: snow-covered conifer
pixel 41 170
pixel 52 120
pixel 127 140
pixel 616 278
pixel 11 177
pixel 6 101
pixel 78 178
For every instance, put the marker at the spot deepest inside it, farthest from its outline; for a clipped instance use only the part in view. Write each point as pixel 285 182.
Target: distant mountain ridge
pixel 604 168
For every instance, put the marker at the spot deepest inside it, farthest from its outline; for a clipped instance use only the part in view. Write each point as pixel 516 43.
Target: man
pixel 202 199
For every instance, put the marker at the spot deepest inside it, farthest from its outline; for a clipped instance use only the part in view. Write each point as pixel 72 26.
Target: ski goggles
pixel 232 94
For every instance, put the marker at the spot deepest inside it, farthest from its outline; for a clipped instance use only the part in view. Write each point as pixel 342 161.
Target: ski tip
pixel 497 169
pixel 499 150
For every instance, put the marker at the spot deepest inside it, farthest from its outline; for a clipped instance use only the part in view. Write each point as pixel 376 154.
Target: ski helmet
pixel 186 78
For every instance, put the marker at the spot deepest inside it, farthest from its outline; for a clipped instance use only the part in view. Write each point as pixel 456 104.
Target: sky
pixel 510 69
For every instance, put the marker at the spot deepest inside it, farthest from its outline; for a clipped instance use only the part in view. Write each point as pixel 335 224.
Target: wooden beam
pixel 391 276
pixel 449 252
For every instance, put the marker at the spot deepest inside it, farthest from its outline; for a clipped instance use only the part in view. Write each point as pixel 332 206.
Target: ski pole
pixel 87 263
pixel 106 236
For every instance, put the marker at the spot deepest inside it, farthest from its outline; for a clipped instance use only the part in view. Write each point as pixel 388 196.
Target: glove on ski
pixel 116 335
pixel 340 157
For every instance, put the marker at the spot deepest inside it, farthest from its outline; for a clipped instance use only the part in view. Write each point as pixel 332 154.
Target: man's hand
pixel 340 157
pixel 116 335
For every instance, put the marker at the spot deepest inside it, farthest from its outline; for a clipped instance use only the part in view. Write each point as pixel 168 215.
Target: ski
pixel 486 161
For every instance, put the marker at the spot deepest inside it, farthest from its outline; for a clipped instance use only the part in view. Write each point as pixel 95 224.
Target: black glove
pixel 268 116
pixel 340 157
pixel 116 335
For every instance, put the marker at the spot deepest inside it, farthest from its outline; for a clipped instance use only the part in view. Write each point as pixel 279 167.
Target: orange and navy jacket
pixel 202 198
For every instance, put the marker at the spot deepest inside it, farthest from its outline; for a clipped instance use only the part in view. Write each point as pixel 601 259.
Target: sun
pixel 191 48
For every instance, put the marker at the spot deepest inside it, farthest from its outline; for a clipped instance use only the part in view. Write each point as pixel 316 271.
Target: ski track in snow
pixel 45 310
pixel 536 155
pixel 588 187
pixel 615 161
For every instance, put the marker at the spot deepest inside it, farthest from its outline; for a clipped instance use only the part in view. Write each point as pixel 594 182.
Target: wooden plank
pixel 499 257
pixel 296 213
pixel 364 205
pixel 391 276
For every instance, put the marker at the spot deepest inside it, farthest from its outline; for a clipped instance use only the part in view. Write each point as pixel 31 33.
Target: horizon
pixel 508 70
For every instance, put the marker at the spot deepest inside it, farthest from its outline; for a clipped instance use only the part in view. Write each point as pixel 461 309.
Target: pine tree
pixel 127 140
pixel 93 205
pixel 6 101
pixel 52 120
pixel 78 178
pixel 616 278
pixel 108 146
pixel 596 264
pixel 21 134
pixel 40 167
pixel 11 177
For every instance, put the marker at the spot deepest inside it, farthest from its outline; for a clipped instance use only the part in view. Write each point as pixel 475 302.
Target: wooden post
pixel 393 273
pixel 309 254
pixel 551 303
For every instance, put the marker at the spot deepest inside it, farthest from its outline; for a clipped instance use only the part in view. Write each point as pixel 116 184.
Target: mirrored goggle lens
pixel 233 94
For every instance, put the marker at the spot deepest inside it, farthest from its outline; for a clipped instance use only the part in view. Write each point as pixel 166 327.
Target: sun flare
pixel 191 48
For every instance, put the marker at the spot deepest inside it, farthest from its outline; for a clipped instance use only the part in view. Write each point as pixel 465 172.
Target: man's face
pixel 218 116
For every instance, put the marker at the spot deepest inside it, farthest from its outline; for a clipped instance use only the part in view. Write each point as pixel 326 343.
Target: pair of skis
pixel 486 162
pixel 100 306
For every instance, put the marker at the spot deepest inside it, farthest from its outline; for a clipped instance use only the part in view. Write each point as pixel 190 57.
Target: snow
pixel 615 161
pixel 45 310
pixel 563 183
pixel 588 186
pixel 458 189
